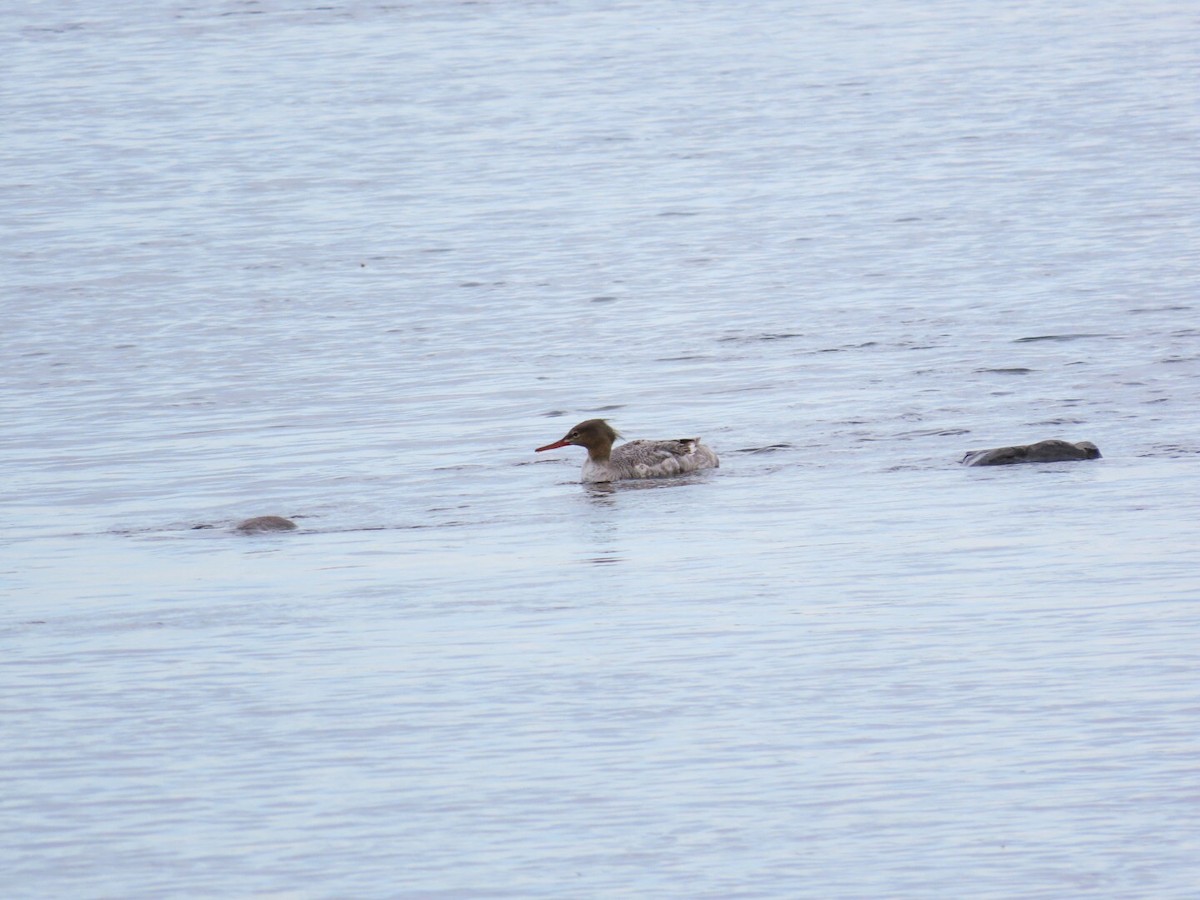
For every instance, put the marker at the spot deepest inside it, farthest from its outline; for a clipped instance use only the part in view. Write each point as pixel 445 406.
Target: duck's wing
pixel 1001 456
pixel 1062 451
pixel 654 459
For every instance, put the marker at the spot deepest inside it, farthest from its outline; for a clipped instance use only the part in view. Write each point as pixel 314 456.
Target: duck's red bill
pixel 563 443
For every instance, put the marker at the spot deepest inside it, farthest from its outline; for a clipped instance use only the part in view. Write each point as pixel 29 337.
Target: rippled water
pixel 352 263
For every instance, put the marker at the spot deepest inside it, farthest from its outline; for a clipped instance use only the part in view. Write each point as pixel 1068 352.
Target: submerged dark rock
pixel 1041 452
pixel 262 524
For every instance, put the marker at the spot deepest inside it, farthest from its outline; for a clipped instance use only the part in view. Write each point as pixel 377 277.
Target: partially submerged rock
pixel 263 524
pixel 1041 452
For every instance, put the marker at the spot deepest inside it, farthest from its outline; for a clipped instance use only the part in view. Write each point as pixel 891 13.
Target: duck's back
pixel 1042 451
pixel 652 459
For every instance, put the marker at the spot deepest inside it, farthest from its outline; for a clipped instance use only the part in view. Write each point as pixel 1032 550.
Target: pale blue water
pixel 352 263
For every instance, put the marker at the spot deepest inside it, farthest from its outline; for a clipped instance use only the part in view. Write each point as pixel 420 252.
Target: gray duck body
pixel 1041 452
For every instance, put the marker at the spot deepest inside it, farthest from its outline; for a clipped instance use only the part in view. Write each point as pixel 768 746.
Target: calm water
pixel 350 263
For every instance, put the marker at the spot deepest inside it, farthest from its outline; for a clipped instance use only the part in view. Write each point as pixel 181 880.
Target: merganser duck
pixel 635 459
pixel 1042 451
pixel 261 524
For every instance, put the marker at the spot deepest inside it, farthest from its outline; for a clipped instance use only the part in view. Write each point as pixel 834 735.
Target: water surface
pixel 351 263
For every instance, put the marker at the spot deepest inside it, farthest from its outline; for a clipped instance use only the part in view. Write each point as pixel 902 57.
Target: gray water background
pixel 351 262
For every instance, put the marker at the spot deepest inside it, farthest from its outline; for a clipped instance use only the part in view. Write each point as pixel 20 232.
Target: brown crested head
pixel 594 434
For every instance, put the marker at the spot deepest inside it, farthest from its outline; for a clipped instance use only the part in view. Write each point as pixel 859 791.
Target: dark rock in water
pixel 261 524
pixel 1041 452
